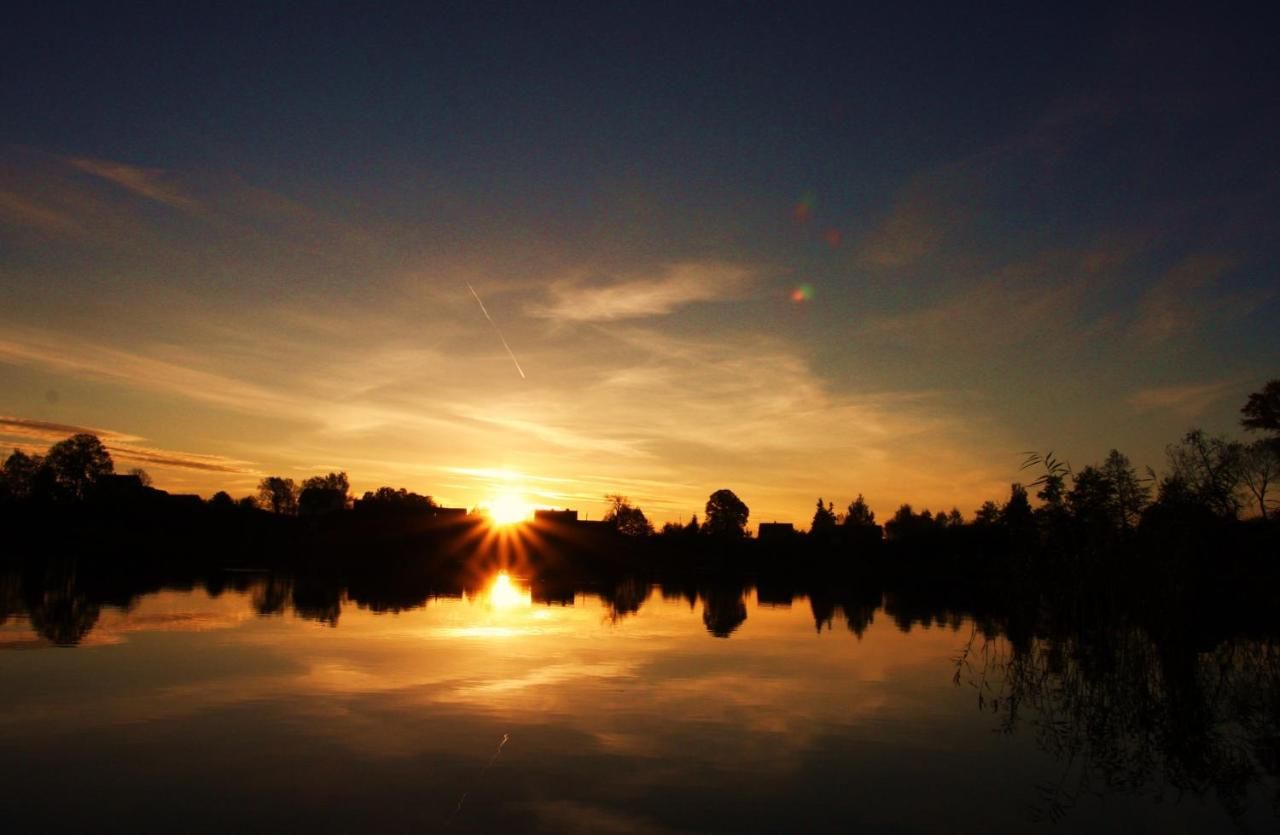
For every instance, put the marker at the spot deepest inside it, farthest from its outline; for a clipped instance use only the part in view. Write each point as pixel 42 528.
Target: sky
pixel 793 250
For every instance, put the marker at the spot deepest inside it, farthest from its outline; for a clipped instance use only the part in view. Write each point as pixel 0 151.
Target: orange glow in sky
pixel 805 291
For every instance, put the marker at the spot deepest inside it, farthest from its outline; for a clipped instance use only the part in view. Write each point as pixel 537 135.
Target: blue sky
pixel 239 239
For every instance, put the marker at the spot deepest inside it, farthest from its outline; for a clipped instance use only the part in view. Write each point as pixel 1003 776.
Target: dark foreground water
pixel 700 711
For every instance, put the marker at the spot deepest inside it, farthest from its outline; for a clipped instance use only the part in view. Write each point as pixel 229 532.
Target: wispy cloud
pixel 19 210
pixel 678 285
pixel 151 183
pixel 1186 401
pixel 1187 296
pixel 752 412
pixel 52 195
pixel 929 209
pixel 914 228
pixel 936 204
pixel 1038 299
pixel 183 460
pixel 47 195
pixel 70 354
pixel 37 434
pixel 43 430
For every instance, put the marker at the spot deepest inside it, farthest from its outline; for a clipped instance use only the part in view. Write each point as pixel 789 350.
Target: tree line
pixel 1208 477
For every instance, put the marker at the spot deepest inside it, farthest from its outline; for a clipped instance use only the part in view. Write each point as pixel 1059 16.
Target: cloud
pixel 1186 400
pixel 121 445
pixel 935 204
pixel 1026 301
pixel 19 210
pixel 182 460
pixel 43 196
pixel 84 358
pixel 920 220
pixel 679 285
pixel 43 430
pixel 750 411
pixel 1186 296
pixel 1169 309
pixel 663 418
pixel 50 195
pixel 151 183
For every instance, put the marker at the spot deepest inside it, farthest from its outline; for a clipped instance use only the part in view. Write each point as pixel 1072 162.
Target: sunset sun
pixel 508 509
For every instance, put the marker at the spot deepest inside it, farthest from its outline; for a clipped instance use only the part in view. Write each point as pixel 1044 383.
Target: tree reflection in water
pixel 723 610
pixel 1123 710
pixel 55 602
pixel 1127 698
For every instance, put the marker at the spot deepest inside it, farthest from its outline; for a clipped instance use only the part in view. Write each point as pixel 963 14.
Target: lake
pixel 264 703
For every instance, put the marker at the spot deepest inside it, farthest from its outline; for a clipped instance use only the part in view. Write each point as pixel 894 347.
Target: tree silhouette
pixel 1091 498
pixel 21 473
pixel 987 515
pixel 824 520
pixel 279 495
pixel 1262 410
pixel 333 481
pixel 858 527
pixel 1260 470
pixel 76 464
pixel 1130 495
pixel 726 515
pixel 143 477
pixel 1209 467
pixel 391 499
pixel 628 519
pixel 858 514
pixel 323 494
pixel 1016 513
pixel 683 531
pixel 902 524
pixel 1053 489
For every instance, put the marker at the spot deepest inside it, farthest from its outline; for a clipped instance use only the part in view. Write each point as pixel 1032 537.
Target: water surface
pixel 266 707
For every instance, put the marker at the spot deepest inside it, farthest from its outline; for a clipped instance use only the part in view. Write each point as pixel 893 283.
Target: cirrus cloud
pixel 1185 400
pixel 678 285
pixel 151 183
pixel 27 432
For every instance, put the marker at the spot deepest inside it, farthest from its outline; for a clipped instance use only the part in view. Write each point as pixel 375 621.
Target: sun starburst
pixel 506 509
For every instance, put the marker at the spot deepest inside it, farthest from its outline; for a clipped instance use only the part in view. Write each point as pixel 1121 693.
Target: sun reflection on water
pixel 504 608
pixel 503 594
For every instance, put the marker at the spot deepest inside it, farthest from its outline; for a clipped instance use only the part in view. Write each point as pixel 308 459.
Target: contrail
pixel 501 744
pixel 510 353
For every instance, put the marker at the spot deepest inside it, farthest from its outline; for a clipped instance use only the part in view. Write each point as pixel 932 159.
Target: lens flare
pixel 804 208
pixel 802 293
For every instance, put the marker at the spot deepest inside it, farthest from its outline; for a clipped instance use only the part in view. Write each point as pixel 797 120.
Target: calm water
pixel 489 712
